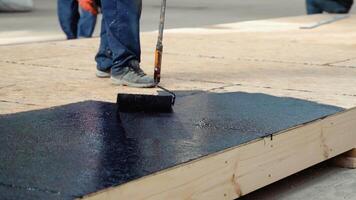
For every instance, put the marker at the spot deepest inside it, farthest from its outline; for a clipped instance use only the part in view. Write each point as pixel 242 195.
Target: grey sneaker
pixel 133 76
pixel 102 74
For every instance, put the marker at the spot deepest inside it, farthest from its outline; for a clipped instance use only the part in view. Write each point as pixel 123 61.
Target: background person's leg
pixel 313 7
pixel 122 21
pixel 86 24
pixel 331 6
pixel 68 15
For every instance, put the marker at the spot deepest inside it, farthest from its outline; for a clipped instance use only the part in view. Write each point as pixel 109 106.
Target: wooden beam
pixel 240 170
pixel 352 153
pixel 346 160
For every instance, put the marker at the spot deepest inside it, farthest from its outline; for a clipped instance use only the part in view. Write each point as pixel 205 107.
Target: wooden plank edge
pixel 238 171
pixel 346 160
pixel 352 153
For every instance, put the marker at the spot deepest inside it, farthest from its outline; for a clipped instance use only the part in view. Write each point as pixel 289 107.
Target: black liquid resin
pixel 73 150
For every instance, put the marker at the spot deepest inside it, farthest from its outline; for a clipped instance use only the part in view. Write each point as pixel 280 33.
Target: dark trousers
pixel 330 6
pixel 120 34
pixel 74 21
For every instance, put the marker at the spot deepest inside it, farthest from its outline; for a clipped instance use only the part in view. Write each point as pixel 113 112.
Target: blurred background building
pixel 16 5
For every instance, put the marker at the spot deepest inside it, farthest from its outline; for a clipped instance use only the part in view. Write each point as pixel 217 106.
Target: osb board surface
pixel 282 60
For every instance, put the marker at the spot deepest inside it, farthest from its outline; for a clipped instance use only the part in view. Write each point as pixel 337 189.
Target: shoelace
pixel 137 70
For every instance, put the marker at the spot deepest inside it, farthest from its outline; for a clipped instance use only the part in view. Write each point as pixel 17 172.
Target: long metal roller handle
pixel 162 21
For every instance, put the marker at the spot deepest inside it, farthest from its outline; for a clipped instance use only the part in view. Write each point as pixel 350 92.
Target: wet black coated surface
pixel 69 151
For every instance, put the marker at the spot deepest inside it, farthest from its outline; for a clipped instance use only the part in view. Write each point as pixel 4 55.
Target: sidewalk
pixel 274 57
pixel 42 24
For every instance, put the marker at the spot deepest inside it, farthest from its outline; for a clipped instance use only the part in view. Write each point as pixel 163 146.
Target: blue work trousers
pixel 74 21
pixel 329 6
pixel 120 34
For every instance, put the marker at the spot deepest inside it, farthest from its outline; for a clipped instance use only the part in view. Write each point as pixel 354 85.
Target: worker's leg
pixel 86 23
pixel 122 20
pixel 313 7
pixel 104 56
pixel 331 6
pixel 68 17
pixel 122 23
